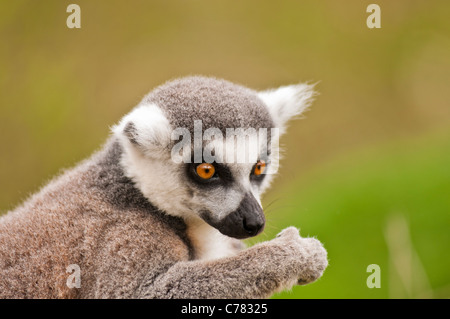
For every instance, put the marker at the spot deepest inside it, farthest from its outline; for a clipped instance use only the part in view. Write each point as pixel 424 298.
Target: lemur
pixel 139 224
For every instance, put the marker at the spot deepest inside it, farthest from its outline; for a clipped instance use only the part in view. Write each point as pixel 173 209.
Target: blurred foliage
pixel 374 144
pixel 351 203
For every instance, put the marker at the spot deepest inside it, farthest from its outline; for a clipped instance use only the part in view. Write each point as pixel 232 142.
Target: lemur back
pixel 94 217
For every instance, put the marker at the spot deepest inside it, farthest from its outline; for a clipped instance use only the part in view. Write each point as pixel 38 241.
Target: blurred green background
pixel 368 169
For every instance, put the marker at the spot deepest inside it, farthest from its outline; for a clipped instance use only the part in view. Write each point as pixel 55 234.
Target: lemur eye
pixel 259 168
pixel 205 170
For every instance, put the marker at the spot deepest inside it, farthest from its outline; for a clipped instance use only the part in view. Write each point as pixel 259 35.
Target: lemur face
pixel 202 148
pixel 227 193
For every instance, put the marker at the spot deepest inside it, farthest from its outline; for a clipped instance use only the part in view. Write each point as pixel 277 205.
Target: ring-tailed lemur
pixel 139 224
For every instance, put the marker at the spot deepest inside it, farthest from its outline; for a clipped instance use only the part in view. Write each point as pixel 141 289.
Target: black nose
pixel 246 221
pixel 253 224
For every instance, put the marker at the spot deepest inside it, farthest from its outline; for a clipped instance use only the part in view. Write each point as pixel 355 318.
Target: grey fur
pixel 218 103
pixel 94 217
pixel 97 217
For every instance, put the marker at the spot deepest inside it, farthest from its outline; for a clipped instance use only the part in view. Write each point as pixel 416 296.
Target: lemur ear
pixel 287 102
pixel 146 128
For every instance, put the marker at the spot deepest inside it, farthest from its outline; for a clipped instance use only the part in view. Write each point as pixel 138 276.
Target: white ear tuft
pixel 287 102
pixel 145 127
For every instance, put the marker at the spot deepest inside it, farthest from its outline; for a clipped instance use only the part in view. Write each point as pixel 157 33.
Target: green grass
pixel 348 205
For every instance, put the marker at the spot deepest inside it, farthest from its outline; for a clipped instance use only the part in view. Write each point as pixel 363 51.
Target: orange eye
pixel 260 167
pixel 205 170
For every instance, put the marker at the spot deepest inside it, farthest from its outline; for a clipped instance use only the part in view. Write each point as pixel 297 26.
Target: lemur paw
pixel 308 254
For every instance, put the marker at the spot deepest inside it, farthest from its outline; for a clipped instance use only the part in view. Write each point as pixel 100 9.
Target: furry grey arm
pixel 257 272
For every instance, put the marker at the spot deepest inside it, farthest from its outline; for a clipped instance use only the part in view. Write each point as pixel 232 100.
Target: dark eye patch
pixel 222 176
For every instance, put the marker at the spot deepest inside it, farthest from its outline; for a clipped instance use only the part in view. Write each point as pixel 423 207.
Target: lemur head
pixel 204 148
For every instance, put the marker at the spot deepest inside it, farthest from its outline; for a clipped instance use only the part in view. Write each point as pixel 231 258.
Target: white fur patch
pixel 152 127
pixel 158 180
pixel 148 164
pixel 286 102
pixel 208 242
